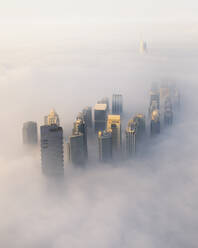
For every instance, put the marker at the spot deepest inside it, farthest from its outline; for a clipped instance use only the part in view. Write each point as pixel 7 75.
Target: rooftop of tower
pixel 100 106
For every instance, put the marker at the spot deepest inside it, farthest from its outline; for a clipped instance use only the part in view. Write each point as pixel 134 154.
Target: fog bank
pixel 146 202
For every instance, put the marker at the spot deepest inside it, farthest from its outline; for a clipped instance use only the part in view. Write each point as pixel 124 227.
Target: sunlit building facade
pixel 52 118
pixel 155 122
pixel 81 128
pixel 114 126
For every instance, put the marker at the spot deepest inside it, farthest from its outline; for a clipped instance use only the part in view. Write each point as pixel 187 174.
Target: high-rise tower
pixel 80 127
pixel 135 133
pixel 114 126
pixel 117 104
pixel 104 100
pixel 76 148
pixel 155 122
pixel 100 117
pixel 131 138
pixel 30 135
pixel 87 116
pixel 52 118
pixel 52 149
pixel 168 112
pixel 143 47
pixel 140 126
pixel 105 146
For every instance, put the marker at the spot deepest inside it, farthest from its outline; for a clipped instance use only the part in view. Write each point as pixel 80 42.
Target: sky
pixel 67 55
pixel 110 10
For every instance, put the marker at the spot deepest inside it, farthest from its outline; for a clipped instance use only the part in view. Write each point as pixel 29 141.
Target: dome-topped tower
pixel 52 118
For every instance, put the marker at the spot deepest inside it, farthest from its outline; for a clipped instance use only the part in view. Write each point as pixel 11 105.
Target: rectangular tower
pixel 81 127
pixel 87 116
pixel 130 142
pixel 100 117
pixel 52 149
pixel 105 146
pixel 104 100
pixel 117 104
pixel 30 135
pixel 140 124
pixel 114 126
pixel 77 149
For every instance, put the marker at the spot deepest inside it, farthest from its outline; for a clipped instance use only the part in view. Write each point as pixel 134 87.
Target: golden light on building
pixel 114 126
pixel 52 118
pixel 131 138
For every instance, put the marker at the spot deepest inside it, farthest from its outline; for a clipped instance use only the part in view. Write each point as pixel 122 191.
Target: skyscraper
pixel 30 135
pixel 105 146
pixel 168 112
pixel 76 149
pixel 100 117
pixel 135 133
pixel 52 118
pixel 143 47
pixel 155 122
pixel 81 127
pixel 52 149
pixel 117 104
pixel 67 148
pixel 154 100
pixel 104 100
pixel 140 126
pixel 114 126
pixel 131 139
pixel 168 117
pixel 176 99
pixel 164 92
pixel 87 116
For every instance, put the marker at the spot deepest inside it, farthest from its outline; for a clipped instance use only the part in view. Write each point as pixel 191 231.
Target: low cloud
pixel 150 201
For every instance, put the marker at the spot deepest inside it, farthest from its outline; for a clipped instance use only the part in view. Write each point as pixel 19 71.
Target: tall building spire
pixel 52 118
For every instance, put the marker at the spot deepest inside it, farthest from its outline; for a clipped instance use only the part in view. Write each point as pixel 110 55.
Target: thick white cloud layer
pixel 147 202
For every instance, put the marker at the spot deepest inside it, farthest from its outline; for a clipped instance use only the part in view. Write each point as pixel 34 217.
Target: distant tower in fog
pixel 117 104
pixel 30 134
pixel 52 149
pixel 87 116
pixel 100 117
pixel 168 112
pixel 52 118
pixel 104 100
pixel 143 47
pixel 105 146
pixel 140 126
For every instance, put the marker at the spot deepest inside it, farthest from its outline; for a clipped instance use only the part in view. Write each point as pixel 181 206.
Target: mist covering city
pixel 149 200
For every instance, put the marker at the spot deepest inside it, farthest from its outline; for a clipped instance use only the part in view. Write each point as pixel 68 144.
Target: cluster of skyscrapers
pixel 105 126
pixel 164 102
